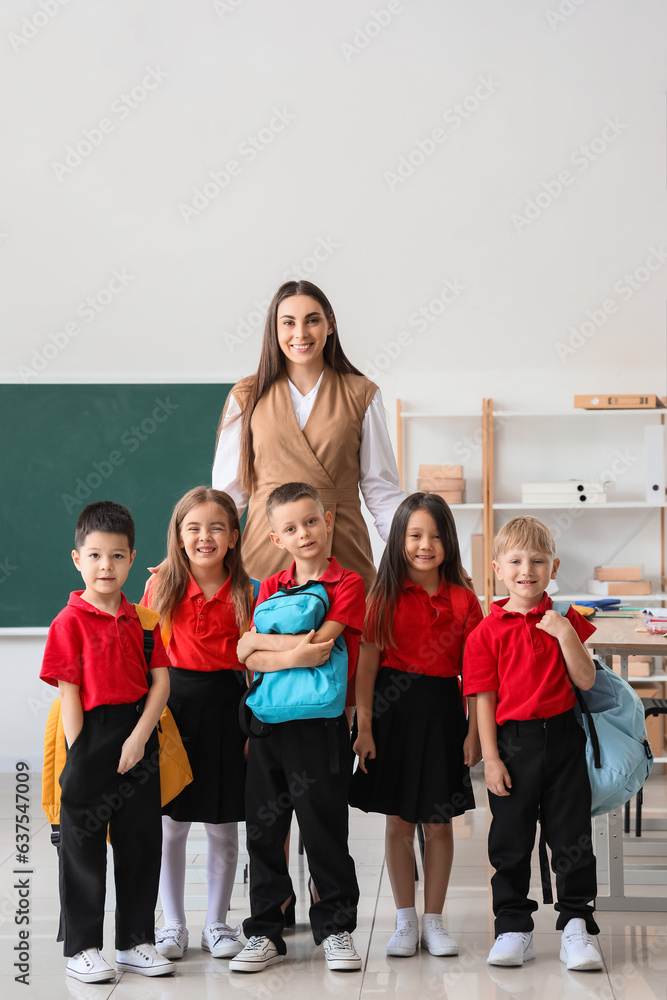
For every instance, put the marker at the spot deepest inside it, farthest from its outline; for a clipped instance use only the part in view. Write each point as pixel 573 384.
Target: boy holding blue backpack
pixel 302 764
pixel 521 662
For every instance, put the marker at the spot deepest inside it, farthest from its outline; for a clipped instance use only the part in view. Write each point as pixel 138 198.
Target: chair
pixel 652 706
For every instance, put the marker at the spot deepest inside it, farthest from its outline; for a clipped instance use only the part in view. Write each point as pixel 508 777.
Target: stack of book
pixel 612 581
pixel 445 480
pixel 569 491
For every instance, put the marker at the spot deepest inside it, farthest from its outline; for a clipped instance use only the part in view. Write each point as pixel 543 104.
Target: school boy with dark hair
pixel 305 763
pixel 95 656
pixel 521 661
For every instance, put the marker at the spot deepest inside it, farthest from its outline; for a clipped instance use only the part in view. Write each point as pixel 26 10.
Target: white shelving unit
pixel 490 419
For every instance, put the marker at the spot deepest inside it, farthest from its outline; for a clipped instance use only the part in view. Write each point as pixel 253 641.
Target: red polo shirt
pixel 102 654
pixel 204 633
pixel 428 635
pixel 508 654
pixel 347 602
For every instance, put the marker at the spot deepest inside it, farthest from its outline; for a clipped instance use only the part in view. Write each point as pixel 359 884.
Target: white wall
pixel 343 105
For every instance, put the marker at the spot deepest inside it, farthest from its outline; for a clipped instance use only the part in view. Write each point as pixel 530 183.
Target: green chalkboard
pixel 64 446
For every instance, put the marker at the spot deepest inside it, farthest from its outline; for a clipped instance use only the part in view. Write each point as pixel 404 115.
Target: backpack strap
pixel 149 619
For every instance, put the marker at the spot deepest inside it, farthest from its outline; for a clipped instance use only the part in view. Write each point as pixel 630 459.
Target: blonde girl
pixel 204 597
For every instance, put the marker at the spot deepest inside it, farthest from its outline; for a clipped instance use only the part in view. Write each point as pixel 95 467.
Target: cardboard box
pixel 435 483
pixel 618 573
pixel 441 471
pixel 615 588
pixel 619 402
pixel 638 666
pixel 477 560
pixel 654 723
pixel 450 496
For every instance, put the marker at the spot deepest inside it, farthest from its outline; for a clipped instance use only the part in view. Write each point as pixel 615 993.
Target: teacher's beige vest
pixel 325 454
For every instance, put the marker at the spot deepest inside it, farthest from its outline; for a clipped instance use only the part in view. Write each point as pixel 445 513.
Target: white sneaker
pixel 436 939
pixel 221 940
pixel 340 953
pixel 259 953
pixel 577 949
pixel 145 960
pixel 172 940
pixel 512 948
pixel 90 966
pixel 404 941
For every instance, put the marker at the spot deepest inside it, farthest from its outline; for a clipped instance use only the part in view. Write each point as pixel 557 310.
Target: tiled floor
pixel 633 944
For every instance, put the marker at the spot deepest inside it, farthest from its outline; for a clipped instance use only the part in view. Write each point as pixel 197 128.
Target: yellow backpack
pixel 175 771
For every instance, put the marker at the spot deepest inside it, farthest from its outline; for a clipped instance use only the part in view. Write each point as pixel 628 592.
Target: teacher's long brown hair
pixel 272 365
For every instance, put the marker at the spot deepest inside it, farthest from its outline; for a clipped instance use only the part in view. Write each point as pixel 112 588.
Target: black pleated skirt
pixel 418 773
pixel 205 706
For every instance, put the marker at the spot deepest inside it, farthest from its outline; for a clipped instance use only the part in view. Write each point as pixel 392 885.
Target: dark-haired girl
pixel 307 414
pixel 414 743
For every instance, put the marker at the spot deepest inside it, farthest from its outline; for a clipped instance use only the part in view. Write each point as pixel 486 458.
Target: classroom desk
pixel 618 636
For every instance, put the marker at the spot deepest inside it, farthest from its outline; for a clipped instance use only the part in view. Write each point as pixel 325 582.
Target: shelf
pixel 466 506
pixel 611 505
pixel 436 413
pixel 577 412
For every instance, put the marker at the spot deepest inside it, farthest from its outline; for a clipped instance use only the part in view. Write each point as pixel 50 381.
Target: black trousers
pixel 94 795
pixel 304 767
pixel 547 764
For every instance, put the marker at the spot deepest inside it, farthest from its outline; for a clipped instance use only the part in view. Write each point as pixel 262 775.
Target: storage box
pixel 638 666
pixel 451 496
pixel 615 588
pixel 535 499
pixel 566 486
pixel 618 573
pixel 619 402
pixel 477 560
pixel 655 723
pixel 432 484
pixel 441 471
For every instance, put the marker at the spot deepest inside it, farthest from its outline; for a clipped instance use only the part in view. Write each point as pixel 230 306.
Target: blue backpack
pixel 618 753
pixel 299 692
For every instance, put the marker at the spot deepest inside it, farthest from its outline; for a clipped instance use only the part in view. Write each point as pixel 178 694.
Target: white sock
pixel 429 919
pixel 221 860
pixel 406 915
pixel 172 871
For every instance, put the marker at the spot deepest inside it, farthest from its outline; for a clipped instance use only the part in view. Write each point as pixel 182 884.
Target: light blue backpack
pixel 299 692
pixel 618 753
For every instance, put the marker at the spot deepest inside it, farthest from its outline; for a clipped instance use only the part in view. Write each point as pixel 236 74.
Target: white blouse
pixel 378 473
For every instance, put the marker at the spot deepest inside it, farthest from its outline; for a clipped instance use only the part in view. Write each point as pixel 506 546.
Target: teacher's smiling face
pixel 302 328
